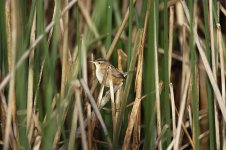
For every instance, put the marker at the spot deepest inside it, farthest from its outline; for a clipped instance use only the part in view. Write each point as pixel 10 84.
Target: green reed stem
pixel 209 89
pixel 127 89
pixel 166 72
pixel 194 81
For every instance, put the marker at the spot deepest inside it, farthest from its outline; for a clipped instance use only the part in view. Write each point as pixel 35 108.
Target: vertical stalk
pixel 31 76
pixel 221 55
pixel 209 89
pixel 5 23
pixel 78 37
pixel 11 99
pixel 21 75
pixel 157 94
pixel 194 81
pixel 213 59
pixel 64 73
pixel 124 98
pixel 130 31
pixel 149 74
pixel 109 24
pixel 166 73
pixel 52 129
pixel 65 50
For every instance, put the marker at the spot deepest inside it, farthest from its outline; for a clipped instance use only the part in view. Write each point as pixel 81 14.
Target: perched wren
pixel 102 67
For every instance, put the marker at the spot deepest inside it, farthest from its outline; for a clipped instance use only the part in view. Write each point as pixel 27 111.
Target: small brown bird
pixel 102 66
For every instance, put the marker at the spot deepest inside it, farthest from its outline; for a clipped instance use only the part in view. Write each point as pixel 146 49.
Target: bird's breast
pixel 99 75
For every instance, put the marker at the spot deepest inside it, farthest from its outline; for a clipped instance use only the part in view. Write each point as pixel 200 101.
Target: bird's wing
pixel 117 73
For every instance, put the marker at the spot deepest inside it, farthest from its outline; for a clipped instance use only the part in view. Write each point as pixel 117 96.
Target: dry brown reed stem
pixel 64 72
pixel 136 107
pixel 100 95
pixel 188 113
pixel 74 122
pixel 173 109
pixel 180 58
pixel 164 129
pixel 96 110
pixel 8 19
pixel 88 19
pixel 171 22
pixel 103 102
pixel 174 55
pixel 36 42
pixel 64 50
pixel 137 131
pixel 186 131
pixel 11 97
pixel 81 120
pixel 221 55
pixel 89 111
pixel 185 59
pixel 8 31
pixel 91 25
pixel 121 55
pixel 3 107
pixel 137 123
pixel 182 109
pixel 180 20
pixel 37 143
pixel 89 130
pixel 157 94
pixel 207 67
pixel 203 135
pixel 138 86
pixel 223 10
pixel 179 17
pixel 136 104
pixel 30 123
pixel 119 32
pixel 37 131
pixel 212 81
pixel 84 60
pixel 30 130
pixel 170 3
pixel 9 52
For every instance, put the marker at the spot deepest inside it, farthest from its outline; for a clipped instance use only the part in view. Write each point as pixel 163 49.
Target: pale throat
pixel 99 75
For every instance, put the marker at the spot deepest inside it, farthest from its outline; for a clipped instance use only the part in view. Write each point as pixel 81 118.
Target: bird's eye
pixel 98 62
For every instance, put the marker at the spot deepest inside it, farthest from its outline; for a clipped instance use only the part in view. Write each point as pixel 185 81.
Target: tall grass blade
pixel 166 71
pixel 129 47
pixel 149 72
pixel 194 78
pixel 127 88
pixel 209 89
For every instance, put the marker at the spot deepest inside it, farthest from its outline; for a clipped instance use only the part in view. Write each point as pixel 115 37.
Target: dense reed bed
pixel 172 51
